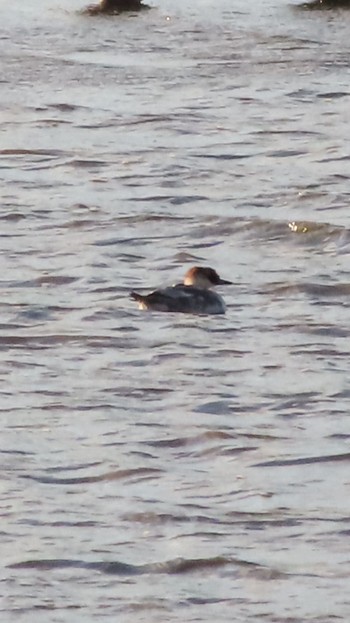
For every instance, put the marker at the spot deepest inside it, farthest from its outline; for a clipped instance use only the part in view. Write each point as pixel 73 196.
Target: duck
pixel 193 296
pixel 110 7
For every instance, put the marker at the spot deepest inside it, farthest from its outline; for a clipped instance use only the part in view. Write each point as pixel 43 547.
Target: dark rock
pixel 326 5
pixel 113 7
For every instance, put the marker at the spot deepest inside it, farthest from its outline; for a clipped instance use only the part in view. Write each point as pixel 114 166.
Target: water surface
pixel 159 467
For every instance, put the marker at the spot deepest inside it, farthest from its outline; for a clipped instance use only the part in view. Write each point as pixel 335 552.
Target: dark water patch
pixel 306 96
pixel 180 442
pixel 51 393
pixel 98 125
pixel 60 524
pixel 27 310
pixel 117 568
pixel 30 152
pixel 329 618
pixel 203 601
pixel 38 342
pixel 183 257
pixel 316 291
pixel 220 450
pixel 324 5
pixel 216 407
pixel 163 518
pixel 345 393
pixel 229 451
pixel 260 436
pixel 333 94
pixel 257 525
pixel 296 133
pixel 152 217
pixel 222 156
pixel 328 331
pixel 19 452
pixel 268 230
pixel 149 605
pixel 152 118
pixel 121 474
pixel 249 521
pixel 50 122
pixel 65 107
pixel 144 393
pixel 137 241
pixel 77 223
pixel 259 229
pixel 70 468
pixel 47 280
pixel 182 565
pixel 177 566
pixel 168 518
pixel 11 326
pixel 286 153
pixel 312 328
pixel 335 458
pixel 335 159
pixel 13 216
pixel 293 400
pixel 36 313
pixel 80 163
pixel 23 365
pixel 184 199
pixel 207 245
pixel 107 290
pixel 109 342
pixel 61 406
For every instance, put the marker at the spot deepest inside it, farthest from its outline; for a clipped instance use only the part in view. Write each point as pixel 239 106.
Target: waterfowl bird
pixel 193 296
pixel 115 6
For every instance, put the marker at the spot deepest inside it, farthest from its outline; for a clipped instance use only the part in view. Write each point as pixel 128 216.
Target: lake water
pixel 159 467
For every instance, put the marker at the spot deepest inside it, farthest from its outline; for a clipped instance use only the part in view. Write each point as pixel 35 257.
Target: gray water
pixel 159 467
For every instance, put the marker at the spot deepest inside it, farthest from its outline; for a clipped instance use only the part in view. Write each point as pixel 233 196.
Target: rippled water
pixel 159 467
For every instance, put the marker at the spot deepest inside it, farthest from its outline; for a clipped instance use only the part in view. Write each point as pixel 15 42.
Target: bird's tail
pixel 137 297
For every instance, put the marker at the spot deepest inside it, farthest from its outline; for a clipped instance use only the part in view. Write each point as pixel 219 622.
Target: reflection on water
pixel 208 453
